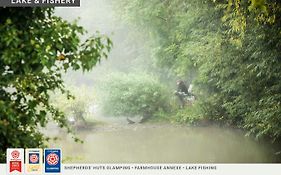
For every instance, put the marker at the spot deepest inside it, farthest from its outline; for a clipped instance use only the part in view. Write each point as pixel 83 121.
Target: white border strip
pixel 161 169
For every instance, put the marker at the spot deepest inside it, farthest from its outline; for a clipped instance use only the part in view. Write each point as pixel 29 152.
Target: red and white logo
pixel 15 160
pixel 52 159
pixel 33 158
pixel 15 154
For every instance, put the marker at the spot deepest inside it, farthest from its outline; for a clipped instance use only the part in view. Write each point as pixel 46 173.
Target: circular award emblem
pixel 52 159
pixel 15 154
pixel 33 158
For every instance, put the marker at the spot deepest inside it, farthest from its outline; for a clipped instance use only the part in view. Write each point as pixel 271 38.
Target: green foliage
pixel 242 86
pixel 245 86
pixel 35 48
pixel 189 115
pixel 231 49
pixel 237 13
pixel 134 94
pixel 179 31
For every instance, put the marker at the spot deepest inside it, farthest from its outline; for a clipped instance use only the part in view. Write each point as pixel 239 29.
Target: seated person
pixel 182 92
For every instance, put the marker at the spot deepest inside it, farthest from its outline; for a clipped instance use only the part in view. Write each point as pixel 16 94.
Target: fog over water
pixel 149 143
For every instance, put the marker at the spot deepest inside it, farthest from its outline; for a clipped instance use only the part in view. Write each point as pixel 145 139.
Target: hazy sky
pixel 98 15
pixel 95 15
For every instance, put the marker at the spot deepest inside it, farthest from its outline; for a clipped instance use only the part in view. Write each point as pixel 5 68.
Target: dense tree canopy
pixel 230 49
pixel 36 47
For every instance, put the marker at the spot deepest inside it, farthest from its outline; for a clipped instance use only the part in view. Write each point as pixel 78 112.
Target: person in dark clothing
pixel 181 87
pixel 182 92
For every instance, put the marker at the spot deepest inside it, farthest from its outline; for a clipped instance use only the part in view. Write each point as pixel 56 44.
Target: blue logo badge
pixel 52 160
pixel 33 158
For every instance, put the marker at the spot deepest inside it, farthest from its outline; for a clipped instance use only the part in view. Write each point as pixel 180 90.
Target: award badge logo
pixel 33 161
pixel 52 158
pixel 15 160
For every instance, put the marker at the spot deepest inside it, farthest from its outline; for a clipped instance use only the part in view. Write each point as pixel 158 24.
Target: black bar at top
pixel 39 3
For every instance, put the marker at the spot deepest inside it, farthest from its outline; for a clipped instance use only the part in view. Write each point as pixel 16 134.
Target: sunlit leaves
pixel 237 13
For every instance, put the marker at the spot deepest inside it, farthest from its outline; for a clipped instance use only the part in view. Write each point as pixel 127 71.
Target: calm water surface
pixel 151 143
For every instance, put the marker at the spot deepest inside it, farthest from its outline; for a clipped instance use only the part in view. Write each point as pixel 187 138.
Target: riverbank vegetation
pixel 229 49
pixel 134 95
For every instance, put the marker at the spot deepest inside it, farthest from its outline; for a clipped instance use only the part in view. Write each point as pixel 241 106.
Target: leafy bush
pixel 189 115
pixel 134 94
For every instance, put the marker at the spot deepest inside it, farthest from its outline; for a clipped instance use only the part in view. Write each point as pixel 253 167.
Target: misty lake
pixel 162 143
